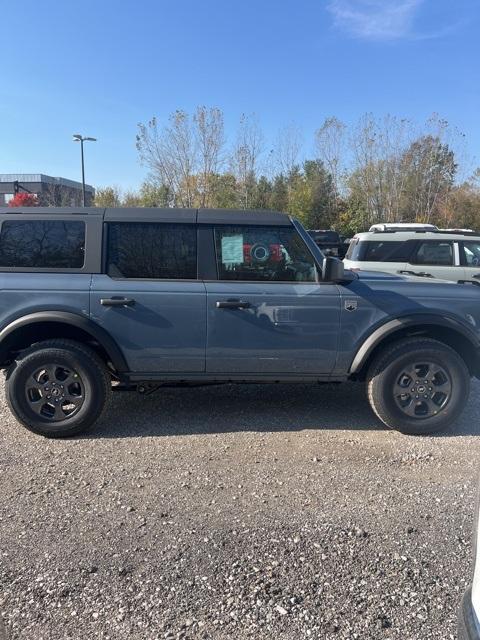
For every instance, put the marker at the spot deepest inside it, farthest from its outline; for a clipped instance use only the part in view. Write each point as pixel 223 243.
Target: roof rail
pixel 388 227
pixel 457 232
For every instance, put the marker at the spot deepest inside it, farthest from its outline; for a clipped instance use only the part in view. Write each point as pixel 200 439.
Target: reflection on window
pixel 472 253
pixel 379 251
pixel 263 253
pixel 152 250
pixel 435 253
pixel 57 244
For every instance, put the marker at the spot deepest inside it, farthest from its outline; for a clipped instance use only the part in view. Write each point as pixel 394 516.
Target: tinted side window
pixel 434 252
pixel 379 251
pixel 263 253
pixel 55 244
pixel 152 250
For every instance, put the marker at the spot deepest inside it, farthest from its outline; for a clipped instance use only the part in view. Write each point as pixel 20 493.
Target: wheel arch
pixel 444 329
pixel 34 327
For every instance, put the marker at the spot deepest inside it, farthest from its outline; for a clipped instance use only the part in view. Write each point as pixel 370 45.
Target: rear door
pixel 149 298
pixel 267 312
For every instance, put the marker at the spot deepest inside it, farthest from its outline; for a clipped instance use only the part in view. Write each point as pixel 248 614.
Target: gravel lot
pixel 282 512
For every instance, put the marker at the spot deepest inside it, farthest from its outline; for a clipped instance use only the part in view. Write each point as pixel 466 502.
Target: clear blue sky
pixel 99 67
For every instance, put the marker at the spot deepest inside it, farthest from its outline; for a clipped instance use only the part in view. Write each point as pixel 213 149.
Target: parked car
pixel 469 614
pixel 146 297
pixel 331 243
pixel 417 250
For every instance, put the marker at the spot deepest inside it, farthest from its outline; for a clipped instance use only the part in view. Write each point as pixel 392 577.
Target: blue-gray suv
pixel 95 299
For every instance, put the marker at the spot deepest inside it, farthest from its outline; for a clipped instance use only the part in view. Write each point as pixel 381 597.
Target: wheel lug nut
pixel 425 396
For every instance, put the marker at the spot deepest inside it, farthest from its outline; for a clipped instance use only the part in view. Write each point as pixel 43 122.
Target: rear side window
pixel 275 254
pixel 152 250
pixel 436 253
pixel 379 251
pixel 43 244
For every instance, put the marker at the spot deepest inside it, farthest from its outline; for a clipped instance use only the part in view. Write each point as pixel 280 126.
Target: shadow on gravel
pixel 254 407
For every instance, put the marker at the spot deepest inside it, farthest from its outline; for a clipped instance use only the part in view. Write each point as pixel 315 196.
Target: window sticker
pixel 232 249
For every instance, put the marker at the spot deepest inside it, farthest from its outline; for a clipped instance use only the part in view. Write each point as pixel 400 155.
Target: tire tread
pixel 63 344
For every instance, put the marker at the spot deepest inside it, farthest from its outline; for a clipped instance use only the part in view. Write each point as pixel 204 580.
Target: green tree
pixel 224 191
pixel 279 195
pixel 107 197
pixel 155 195
pixel 323 196
pixel 261 198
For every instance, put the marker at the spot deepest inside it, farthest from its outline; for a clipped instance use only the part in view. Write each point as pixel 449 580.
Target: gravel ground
pixel 282 512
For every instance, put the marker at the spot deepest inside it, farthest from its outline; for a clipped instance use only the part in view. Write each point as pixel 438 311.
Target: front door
pixel 267 313
pixel 470 257
pixel 434 259
pixel 149 300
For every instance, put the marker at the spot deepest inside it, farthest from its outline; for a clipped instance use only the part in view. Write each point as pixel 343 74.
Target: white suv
pixel 417 250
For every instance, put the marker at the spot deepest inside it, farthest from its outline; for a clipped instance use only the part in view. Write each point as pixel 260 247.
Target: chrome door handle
pixel 117 302
pixel 232 304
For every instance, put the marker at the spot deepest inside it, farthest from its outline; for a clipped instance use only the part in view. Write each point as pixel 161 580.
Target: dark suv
pixel 140 298
pixel 331 243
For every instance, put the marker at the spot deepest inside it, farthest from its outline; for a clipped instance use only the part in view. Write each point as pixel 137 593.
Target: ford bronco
pixel 94 299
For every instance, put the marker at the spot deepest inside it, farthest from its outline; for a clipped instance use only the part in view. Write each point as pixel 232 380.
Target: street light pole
pixel 83 173
pixel 77 137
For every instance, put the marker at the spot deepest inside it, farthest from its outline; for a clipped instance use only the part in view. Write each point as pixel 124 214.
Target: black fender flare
pixel 80 322
pixel 392 326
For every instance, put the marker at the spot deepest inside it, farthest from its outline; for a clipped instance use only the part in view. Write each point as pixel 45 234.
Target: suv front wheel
pixel 418 386
pixel 57 388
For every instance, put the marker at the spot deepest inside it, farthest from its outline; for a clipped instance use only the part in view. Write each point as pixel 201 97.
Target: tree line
pixel 384 169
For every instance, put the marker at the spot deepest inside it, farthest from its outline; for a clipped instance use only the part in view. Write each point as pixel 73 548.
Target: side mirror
pixel 333 270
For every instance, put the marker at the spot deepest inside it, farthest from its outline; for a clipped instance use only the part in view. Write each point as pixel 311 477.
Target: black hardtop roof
pixel 147 214
pixel 51 211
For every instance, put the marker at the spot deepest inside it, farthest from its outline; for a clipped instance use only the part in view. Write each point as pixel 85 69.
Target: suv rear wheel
pixel 58 388
pixel 418 386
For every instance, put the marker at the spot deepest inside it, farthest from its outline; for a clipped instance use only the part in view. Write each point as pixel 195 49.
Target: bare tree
pixel 377 147
pixel 210 138
pixel 287 149
pixel 330 142
pixel 56 195
pixel 244 159
pixel 184 155
pixel 170 154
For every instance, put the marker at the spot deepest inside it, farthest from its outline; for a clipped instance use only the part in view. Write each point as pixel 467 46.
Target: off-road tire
pixel 387 366
pixel 74 356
